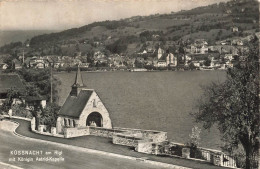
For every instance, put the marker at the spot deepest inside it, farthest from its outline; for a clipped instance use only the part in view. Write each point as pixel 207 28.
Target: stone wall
pixel 42 128
pixel 126 140
pixel 144 147
pixel 63 122
pixel 33 124
pixel 156 136
pixel 103 132
pixel 75 132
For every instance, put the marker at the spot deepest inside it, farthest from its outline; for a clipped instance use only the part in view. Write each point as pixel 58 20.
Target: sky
pixel 65 14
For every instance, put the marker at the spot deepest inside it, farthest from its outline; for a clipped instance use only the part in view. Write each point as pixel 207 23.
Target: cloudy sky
pixel 64 14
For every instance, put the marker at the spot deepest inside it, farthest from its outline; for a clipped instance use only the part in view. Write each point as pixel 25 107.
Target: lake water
pixel 151 100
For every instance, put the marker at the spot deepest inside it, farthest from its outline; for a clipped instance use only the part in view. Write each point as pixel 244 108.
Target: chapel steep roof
pixel 74 106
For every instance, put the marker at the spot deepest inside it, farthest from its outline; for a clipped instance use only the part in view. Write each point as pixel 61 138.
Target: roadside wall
pixel 75 132
pixel 144 147
pixel 126 140
pixel 103 132
pixel 156 136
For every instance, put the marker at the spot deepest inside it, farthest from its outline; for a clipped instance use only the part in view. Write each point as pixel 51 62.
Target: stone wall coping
pixel 128 137
pixel 201 148
pixel 48 134
pixel 101 128
pixel 211 150
pixel 160 143
pixel 18 117
pixel 146 141
pixel 179 144
pixel 71 128
pixel 131 129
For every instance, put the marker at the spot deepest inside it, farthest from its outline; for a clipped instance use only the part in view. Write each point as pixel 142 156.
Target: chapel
pixel 83 107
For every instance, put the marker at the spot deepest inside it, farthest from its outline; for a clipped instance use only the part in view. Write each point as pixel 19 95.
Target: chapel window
pixel 65 122
pixel 94 103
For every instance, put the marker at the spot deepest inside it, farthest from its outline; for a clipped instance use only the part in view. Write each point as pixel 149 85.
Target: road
pixel 72 158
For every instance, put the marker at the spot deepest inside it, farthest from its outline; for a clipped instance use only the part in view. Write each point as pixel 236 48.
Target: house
pixel 13 82
pixel 188 58
pixel 150 49
pixel 228 11
pixel 149 61
pixel 130 62
pixel 196 63
pixel 38 62
pixel 8 82
pixel 144 52
pixel 27 62
pixel 85 65
pixel 200 46
pixel 32 100
pixel 3 66
pixel 17 64
pixel 83 107
pixel 171 60
pixel 238 42
pixel 214 63
pixel 229 64
pixel 228 57
pixel 59 64
pixel 98 55
pixel 234 29
pixel 76 62
pixel 161 63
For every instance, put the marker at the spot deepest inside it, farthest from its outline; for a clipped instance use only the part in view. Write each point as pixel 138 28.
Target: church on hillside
pixel 82 108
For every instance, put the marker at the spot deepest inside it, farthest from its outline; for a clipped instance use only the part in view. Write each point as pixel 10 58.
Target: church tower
pixel 78 84
pixel 160 53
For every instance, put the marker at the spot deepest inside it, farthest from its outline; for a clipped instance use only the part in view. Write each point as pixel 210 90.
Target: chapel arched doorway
pixel 94 119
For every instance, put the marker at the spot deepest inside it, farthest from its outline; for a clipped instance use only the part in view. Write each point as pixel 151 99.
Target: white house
pixel 161 63
pixel 171 60
pixel 234 29
pixel 229 57
pixel 3 66
pixel 195 63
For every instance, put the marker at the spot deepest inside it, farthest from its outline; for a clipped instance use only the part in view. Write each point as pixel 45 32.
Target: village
pixel 154 55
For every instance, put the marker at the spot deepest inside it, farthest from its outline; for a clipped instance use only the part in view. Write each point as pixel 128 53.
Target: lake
pixel 151 100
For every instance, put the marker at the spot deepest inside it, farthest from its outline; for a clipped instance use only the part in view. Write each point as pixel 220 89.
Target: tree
pixel 49 115
pixel 192 66
pixel 181 49
pixel 207 62
pixel 38 83
pixel 234 107
pixel 194 140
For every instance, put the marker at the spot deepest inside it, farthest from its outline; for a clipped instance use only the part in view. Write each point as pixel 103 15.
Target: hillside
pixel 213 22
pixel 7 37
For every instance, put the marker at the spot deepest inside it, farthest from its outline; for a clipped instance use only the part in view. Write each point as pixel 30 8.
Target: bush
pixel 176 150
pixel 19 110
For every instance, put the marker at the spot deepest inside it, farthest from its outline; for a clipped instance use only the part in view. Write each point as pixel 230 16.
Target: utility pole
pixel 23 53
pixel 51 84
pixel 51 79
